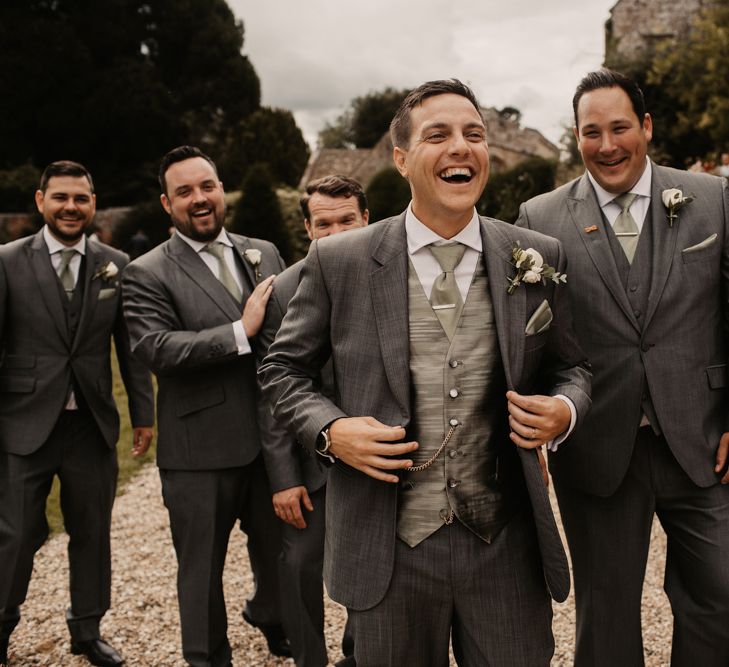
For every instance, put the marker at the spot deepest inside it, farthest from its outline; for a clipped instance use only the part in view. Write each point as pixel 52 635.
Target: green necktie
pixel 217 249
pixel 446 297
pixel 625 227
pixel 64 271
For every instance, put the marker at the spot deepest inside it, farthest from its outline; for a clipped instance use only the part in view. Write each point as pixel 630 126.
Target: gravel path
pixel 143 621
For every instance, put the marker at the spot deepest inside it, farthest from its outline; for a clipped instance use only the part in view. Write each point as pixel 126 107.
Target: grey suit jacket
pixel 352 305
pixel 179 317
pixel 38 353
pixel 287 462
pixel 680 351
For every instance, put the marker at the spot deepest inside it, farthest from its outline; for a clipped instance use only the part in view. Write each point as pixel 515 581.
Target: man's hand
pixel 255 308
pixel 537 419
pixel 722 456
pixel 366 444
pixel 287 505
pixel 142 439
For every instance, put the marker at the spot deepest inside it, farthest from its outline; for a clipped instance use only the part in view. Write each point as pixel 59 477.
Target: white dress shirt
pixel 640 206
pixel 428 269
pixel 211 261
pixel 74 265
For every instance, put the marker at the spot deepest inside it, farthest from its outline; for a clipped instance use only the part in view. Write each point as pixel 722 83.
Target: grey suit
pixel 662 354
pixel 179 317
pixel 289 465
pixel 352 304
pixel 49 345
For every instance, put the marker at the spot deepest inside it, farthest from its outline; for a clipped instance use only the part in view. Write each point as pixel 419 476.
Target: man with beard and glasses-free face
pixel 194 306
pixel 330 205
pixel 648 250
pixel 60 305
pixel 438 519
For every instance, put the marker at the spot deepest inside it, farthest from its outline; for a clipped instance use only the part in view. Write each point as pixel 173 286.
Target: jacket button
pixel 453 393
pixel 454 422
pixel 452 453
pixel 453 363
pixel 453 483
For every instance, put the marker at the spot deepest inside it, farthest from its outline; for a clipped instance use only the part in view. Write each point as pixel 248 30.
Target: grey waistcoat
pixel 477 476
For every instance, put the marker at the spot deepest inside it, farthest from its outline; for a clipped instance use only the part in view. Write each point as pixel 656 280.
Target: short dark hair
pixel 64 168
pixel 400 126
pixel 333 186
pixel 608 78
pixel 180 154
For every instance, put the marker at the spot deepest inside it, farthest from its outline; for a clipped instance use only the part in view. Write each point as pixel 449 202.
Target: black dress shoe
pixel 97 652
pixel 274 634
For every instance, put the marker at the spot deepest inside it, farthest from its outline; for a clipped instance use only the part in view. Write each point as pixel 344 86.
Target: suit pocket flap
pixel 205 397
pixel 717 376
pixel 17 385
pixel 18 361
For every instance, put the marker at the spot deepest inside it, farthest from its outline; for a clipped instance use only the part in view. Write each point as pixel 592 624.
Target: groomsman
pixel 648 250
pixel 194 306
pixel 331 205
pixel 60 306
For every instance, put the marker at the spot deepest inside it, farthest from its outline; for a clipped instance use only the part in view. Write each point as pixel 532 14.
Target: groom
pixel 438 520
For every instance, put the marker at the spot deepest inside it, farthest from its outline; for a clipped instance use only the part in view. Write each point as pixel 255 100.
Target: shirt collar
pixel 642 188
pixel 197 246
pixel 419 236
pixel 54 245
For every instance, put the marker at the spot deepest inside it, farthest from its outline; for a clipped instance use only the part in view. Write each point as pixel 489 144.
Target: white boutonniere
pixel 530 268
pixel 107 272
pixel 673 200
pixel 253 257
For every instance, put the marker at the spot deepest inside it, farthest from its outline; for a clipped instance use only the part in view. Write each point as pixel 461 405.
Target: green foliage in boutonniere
pixel 107 272
pixel 673 200
pixel 253 257
pixel 530 268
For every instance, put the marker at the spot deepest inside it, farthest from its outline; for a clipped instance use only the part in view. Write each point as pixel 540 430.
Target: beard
pixel 188 228
pixel 68 236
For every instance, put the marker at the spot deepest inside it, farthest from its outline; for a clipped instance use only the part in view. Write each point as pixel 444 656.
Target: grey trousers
pixel 609 540
pixel 491 599
pixel 87 468
pixel 203 506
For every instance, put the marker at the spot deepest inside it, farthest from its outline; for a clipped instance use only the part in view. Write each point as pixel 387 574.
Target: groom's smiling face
pixel 612 139
pixel 195 199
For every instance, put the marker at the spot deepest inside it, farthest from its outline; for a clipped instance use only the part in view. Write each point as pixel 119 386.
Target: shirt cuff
pixel 241 340
pixel 552 445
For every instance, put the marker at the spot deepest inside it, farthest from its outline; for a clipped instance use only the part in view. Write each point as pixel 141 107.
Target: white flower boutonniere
pixel 530 268
pixel 673 200
pixel 107 272
pixel 253 257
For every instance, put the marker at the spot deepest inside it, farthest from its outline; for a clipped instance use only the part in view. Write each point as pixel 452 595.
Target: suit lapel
pixel 196 269
pixel 241 244
pixel 389 288
pixel 664 240
pixel 583 207
pixel 509 309
pixel 47 280
pixel 91 289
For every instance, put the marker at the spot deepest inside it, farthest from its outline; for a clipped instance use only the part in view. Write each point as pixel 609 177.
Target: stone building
pixel 635 27
pixel 509 144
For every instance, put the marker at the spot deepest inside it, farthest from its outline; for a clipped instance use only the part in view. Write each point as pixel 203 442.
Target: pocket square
pixel 700 246
pixel 107 293
pixel 540 319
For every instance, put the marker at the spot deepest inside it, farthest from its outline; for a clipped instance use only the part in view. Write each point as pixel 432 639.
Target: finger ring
pixel 534 432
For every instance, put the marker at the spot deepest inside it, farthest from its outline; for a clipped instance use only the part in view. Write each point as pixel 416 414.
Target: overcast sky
pixel 314 56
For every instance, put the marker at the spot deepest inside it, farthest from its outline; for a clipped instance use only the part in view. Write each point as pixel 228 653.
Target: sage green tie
pixel 625 227
pixel 217 249
pixel 445 298
pixel 64 271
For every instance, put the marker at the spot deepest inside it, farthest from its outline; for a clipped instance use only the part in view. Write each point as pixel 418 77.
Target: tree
pixel 388 194
pixel 17 187
pixel 257 213
pixel 364 122
pixel 690 77
pixel 118 83
pixel 506 191
pixel 270 136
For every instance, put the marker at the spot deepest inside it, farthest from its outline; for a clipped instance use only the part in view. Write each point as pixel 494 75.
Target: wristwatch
pixel 323 443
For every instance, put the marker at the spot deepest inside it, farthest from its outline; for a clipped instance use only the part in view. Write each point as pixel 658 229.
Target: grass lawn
pixel 128 465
